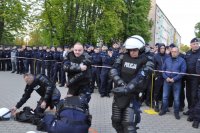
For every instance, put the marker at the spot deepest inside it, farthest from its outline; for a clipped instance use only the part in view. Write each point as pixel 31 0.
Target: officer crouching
pixel 50 95
pixel 72 116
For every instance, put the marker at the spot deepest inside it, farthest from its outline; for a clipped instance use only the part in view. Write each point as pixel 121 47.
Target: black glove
pixel 121 83
pixel 120 91
pixel 87 62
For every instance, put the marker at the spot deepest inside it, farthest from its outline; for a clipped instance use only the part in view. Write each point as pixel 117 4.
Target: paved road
pixel 12 86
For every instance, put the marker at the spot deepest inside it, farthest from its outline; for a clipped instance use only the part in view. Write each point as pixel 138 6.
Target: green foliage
pixel 67 21
pixel 60 22
pixel 197 30
pixel 19 41
pixel 12 18
pixel 136 20
pixel 184 48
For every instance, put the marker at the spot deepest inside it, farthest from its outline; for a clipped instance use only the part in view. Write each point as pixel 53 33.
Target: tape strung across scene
pixel 198 75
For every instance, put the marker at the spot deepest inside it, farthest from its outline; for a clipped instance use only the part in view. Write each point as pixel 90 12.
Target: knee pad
pixel 131 115
pixel 116 117
pixel 116 112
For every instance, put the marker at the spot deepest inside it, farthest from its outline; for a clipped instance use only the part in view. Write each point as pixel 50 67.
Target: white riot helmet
pixel 3 111
pixel 31 132
pixel 134 42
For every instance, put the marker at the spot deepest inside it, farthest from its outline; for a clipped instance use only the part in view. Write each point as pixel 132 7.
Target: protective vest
pixel 131 66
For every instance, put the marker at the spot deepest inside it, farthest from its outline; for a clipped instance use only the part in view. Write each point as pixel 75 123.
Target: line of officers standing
pixel 49 61
pixel 41 60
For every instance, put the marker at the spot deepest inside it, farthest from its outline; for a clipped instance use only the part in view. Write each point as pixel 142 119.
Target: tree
pixel 36 38
pixel 67 21
pixel 12 16
pixel 184 48
pixel 136 19
pixel 197 30
pixel 19 41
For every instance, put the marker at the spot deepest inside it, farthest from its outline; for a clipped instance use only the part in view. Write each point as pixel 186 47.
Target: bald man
pixel 78 66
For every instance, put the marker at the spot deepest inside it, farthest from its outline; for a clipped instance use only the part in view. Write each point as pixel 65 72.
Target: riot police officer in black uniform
pixel 50 95
pixel 129 73
pixel 78 65
pixel 64 121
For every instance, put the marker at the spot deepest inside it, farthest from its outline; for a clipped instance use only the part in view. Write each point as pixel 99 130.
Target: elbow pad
pixel 75 79
pixel 116 78
pixel 74 68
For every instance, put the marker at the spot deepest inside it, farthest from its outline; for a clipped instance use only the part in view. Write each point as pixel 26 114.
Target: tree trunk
pixel 1 29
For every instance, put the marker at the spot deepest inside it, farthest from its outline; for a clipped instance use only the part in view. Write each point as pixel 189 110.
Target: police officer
pixel 62 72
pixel 34 60
pixel 20 64
pixel 191 58
pixel 50 95
pixel 44 49
pixel 14 58
pixel 24 49
pixel 115 48
pixel 96 61
pixel 28 60
pixel 7 59
pixel 39 56
pixel 53 52
pixel 64 121
pixel 106 83
pixel 58 73
pixel 195 112
pixel 133 68
pixel 78 64
pixel 47 58
pixel 2 61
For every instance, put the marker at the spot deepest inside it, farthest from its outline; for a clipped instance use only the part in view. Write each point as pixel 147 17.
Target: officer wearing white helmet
pixel 133 67
pixel 134 42
pixel 5 114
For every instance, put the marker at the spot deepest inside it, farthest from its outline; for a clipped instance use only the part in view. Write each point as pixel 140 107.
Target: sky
pixel 183 14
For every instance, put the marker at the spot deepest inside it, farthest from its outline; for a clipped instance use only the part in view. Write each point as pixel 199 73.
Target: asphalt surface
pixel 12 87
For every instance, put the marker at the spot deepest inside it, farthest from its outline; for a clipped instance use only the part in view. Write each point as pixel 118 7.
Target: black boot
pixel 162 113
pixel 156 107
pixel 186 113
pixel 177 116
pixel 195 124
pixel 190 119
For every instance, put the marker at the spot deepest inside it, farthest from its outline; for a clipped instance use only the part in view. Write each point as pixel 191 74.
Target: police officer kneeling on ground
pixel 134 68
pixel 72 116
pixel 50 95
